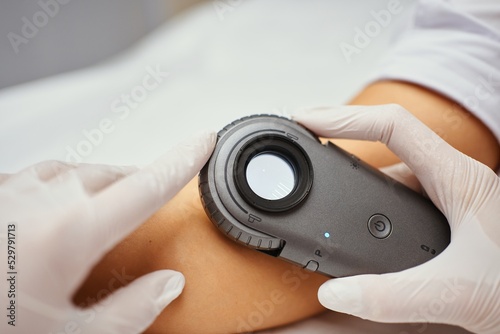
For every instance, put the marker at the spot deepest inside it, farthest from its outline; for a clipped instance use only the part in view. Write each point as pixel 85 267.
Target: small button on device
pixel 312 265
pixel 379 226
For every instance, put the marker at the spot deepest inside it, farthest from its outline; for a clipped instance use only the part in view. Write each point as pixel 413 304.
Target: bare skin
pixel 230 288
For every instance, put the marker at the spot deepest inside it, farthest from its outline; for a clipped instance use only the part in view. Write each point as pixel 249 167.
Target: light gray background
pixel 82 33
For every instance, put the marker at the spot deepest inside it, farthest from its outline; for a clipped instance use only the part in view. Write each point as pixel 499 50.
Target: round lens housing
pixel 270 176
pixel 272 173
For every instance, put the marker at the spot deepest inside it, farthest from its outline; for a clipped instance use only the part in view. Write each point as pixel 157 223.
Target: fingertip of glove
pixel 326 296
pixel 170 286
pixel 200 138
pixel 306 114
pixel 211 139
pixel 191 151
pixel 208 135
pixel 340 296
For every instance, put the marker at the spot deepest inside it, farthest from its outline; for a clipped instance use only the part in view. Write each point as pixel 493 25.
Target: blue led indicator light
pixel 327 235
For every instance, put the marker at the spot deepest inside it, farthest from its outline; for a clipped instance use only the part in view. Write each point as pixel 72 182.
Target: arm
pixel 230 288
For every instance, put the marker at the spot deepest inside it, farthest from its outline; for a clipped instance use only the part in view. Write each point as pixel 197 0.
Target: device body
pixel 338 216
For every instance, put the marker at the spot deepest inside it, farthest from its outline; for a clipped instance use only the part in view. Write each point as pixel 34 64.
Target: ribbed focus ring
pixel 229 228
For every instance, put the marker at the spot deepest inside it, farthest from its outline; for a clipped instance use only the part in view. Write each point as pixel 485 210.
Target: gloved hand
pixel 65 218
pixel 461 286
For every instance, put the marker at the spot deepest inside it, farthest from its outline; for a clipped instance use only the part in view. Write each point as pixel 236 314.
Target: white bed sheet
pixel 264 57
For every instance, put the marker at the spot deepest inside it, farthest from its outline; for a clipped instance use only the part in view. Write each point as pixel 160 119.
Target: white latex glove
pixel 461 286
pixel 67 217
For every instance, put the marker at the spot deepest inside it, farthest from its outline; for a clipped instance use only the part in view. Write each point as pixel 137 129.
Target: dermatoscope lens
pixel 270 176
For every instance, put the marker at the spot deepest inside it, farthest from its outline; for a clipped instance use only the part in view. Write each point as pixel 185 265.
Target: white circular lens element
pixel 270 176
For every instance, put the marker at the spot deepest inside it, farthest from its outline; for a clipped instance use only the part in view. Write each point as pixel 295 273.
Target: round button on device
pixel 379 226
